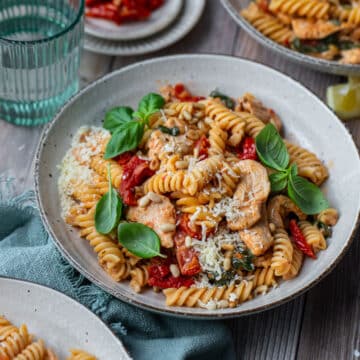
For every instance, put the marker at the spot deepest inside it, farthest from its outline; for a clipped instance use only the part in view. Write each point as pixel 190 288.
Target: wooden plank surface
pixel 323 324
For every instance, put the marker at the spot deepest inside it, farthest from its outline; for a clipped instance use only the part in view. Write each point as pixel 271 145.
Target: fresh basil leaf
pixel 325 229
pixel 305 194
pixel 271 148
pixel 108 210
pixel 127 137
pixel 278 181
pixel 149 104
pixel 139 239
pixel 228 101
pixel 245 261
pixel 117 117
pixel 174 131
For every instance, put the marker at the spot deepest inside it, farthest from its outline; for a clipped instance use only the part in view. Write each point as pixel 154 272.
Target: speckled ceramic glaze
pixel 306 120
pixel 59 320
pixel 159 20
pixel 333 67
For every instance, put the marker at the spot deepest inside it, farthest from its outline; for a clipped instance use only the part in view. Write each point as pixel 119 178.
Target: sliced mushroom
pixel 160 216
pixel 251 192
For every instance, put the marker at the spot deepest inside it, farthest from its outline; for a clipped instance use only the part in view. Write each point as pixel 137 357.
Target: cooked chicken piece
pixel 160 216
pixel 279 207
pixel 251 192
pixel 258 238
pixel 351 56
pixel 311 30
pixel 254 106
pixel 164 143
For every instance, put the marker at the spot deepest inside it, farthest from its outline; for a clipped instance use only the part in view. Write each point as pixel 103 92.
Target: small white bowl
pixel 306 119
pixel 158 20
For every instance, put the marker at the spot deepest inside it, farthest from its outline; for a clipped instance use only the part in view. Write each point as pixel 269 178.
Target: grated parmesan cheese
pixel 74 169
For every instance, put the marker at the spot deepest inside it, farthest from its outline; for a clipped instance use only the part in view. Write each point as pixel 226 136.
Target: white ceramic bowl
pixel 159 20
pixel 59 320
pixel 306 119
pixel 333 67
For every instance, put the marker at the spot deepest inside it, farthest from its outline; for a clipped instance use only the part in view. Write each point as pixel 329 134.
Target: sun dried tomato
pixel 124 158
pixel 300 240
pixel 104 11
pixel 161 277
pixel 136 171
pixel 203 145
pixel 186 256
pixel 182 94
pixel 247 150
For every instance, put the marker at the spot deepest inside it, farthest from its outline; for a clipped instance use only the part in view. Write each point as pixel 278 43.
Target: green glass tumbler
pixel 40 45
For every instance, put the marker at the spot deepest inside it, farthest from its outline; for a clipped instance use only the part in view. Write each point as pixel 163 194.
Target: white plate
pixel 306 119
pixel 159 20
pixel 187 19
pixel 59 320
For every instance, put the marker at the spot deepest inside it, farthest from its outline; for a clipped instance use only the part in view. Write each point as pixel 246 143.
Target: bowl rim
pixel 71 300
pixel 176 311
pixel 326 66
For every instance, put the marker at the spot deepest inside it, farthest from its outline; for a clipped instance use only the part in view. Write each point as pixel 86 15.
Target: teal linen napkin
pixel 27 252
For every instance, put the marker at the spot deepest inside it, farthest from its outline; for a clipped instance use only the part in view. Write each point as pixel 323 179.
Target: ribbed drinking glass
pixel 40 45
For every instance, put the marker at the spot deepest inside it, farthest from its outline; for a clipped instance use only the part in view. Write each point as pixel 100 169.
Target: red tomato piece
pixel 135 172
pixel 300 240
pixel 160 276
pixel 124 158
pixel 248 150
pixel 182 94
pixel 203 145
pixel 186 256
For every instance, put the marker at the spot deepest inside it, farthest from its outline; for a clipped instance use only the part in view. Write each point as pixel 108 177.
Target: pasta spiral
pixel 15 342
pixel 267 24
pixel 306 8
pixel 35 351
pixel 204 171
pixel 328 216
pixel 195 297
pixel 296 264
pixel 109 254
pixel 354 16
pixel 90 194
pixel 77 354
pixel 100 165
pixel 308 164
pixel 313 235
pixel 282 253
pixel 139 277
pixel 217 140
pixel 165 182
pixel 263 276
pixel 226 120
pixel 253 125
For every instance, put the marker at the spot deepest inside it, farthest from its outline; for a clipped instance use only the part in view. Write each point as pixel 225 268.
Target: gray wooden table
pixel 322 324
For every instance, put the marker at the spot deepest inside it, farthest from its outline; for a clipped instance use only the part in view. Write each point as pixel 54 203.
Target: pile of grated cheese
pixel 75 169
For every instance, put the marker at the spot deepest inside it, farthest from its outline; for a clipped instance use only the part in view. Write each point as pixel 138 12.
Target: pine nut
pixel 188 241
pixel 144 201
pixel 227 264
pixel 174 269
pixel 223 304
pixel 154 197
pixel 227 247
pixel 170 112
pixel 272 227
pixel 181 164
pixel 167 227
pixel 187 116
pixel 208 120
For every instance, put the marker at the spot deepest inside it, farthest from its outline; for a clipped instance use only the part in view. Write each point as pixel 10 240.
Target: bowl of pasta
pixel 323 35
pixel 179 190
